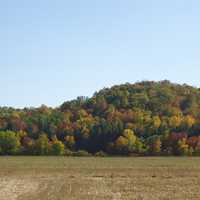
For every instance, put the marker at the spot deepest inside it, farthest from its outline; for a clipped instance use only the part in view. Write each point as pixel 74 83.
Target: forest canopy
pixel 145 118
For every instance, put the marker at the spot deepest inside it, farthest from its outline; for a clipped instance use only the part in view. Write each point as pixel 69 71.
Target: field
pixel 60 178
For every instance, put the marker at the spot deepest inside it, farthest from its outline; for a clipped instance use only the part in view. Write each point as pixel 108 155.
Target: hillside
pixel 145 118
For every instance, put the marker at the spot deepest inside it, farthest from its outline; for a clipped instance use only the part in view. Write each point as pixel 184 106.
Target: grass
pixel 60 178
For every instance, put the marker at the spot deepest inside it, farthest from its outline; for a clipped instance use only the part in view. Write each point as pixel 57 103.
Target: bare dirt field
pixel 63 178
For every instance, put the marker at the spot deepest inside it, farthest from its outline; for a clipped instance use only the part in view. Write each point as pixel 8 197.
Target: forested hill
pixel 145 118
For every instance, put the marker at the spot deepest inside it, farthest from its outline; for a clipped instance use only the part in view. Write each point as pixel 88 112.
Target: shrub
pixel 100 154
pixel 82 153
pixel 68 152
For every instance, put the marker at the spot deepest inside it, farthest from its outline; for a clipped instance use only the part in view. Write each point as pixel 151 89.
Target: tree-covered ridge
pixel 145 118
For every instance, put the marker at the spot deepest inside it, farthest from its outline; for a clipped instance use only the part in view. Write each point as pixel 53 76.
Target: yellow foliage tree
pixel 175 121
pixel 70 141
pixel 126 142
pixel 188 121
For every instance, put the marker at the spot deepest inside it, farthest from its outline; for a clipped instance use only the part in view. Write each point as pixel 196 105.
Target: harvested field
pixel 60 178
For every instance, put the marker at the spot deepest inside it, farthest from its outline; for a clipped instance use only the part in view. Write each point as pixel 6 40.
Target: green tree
pixel 9 143
pixel 154 145
pixel 42 146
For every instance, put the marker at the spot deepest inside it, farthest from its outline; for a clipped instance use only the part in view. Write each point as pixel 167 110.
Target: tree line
pixel 145 118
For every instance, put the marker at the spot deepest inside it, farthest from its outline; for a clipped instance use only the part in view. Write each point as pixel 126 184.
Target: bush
pixel 68 152
pixel 81 153
pixel 100 154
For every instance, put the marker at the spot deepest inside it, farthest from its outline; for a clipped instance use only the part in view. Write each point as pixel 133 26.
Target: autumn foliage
pixel 145 118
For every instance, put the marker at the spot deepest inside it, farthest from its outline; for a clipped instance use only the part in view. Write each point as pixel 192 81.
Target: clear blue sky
pixel 55 50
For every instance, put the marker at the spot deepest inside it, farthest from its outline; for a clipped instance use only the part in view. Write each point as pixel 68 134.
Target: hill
pixel 145 118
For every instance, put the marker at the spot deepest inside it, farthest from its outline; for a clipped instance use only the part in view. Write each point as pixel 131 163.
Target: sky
pixel 53 51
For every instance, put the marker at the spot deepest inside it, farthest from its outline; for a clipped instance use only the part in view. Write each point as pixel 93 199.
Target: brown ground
pixel 62 178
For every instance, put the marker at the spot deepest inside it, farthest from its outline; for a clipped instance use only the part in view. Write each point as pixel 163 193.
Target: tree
pixel 183 147
pixel 188 122
pixel 9 143
pixel 126 142
pixel 151 118
pixel 175 122
pixel 154 145
pixel 156 122
pixel 57 147
pixel 28 145
pixel 70 141
pixel 42 146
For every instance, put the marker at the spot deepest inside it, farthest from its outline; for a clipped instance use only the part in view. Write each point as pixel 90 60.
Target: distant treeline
pixel 145 118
